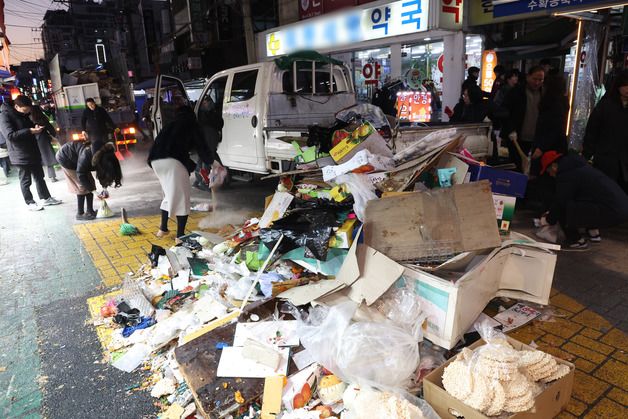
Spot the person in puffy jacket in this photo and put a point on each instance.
(170, 160)
(585, 200)
(44, 141)
(78, 163)
(20, 135)
(96, 124)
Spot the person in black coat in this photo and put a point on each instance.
(4, 157)
(585, 198)
(522, 103)
(468, 111)
(20, 134)
(96, 124)
(170, 160)
(606, 135)
(44, 141)
(551, 125)
(78, 163)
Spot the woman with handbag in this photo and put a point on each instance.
(170, 160)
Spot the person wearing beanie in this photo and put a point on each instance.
(585, 199)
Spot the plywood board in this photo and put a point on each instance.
(406, 227)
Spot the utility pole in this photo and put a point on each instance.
(249, 36)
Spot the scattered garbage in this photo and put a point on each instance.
(333, 302)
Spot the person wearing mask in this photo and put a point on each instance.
(96, 124)
(585, 199)
(522, 103)
(469, 109)
(20, 134)
(78, 163)
(44, 141)
(606, 136)
(170, 160)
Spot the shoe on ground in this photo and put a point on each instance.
(54, 179)
(87, 216)
(52, 201)
(34, 206)
(92, 214)
(161, 233)
(594, 235)
(581, 244)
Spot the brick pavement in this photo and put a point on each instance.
(576, 333)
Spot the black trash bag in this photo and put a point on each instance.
(322, 204)
(311, 229)
(155, 252)
(127, 316)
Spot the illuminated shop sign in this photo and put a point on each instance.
(355, 25)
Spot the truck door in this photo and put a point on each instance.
(209, 111)
(241, 125)
(169, 95)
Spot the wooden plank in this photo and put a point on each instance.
(198, 363)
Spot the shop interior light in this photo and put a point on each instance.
(591, 9)
(574, 76)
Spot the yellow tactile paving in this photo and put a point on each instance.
(596, 348)
(576, 334)
(115, 255)
(94, 304)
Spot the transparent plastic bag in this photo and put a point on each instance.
(401, 305)
(364, 402)
(362, 190)
(217, 175)
(134, 297)
(381, 355)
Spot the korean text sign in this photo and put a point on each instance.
(351, 26)
(534, 6)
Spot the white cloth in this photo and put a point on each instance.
(175, 184)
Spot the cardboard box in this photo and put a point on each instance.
(503, 182)
(504, 211)
(548, 404)
(454, 296)
(348, 147)
(411, 226)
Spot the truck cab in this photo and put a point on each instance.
(264, 107)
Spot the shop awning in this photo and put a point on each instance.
(555, 36)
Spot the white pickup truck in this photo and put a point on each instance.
(264, 106)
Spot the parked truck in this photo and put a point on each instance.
(265, 107)
(70, 92)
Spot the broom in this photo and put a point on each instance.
(127, 229)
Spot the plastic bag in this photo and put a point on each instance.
(362, 190)
(401, 305)
(217, 175)
(379, 355)
(364, 402)
(366, 112)
(553, 234)
(311, 229)
(104, 211)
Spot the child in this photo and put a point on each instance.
(77, 163)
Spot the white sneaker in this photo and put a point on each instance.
(51, 201)
(33, 206)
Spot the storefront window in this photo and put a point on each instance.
(473, 47)
(422, 70)
(371, 68)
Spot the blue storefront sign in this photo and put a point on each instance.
(519, 7)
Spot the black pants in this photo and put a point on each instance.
(26, 173)
(6, 166)
(97, 140)
(588, 215)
